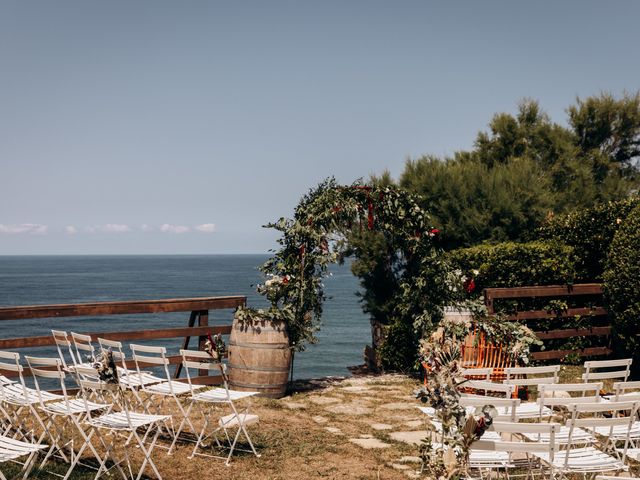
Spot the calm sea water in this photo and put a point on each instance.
(31, 280)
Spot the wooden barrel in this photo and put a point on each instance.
(259, 358)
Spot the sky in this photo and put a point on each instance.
(171, 127)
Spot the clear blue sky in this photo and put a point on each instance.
(182, 127)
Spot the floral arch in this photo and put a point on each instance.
(392, 241)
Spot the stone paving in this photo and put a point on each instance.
(373, 413)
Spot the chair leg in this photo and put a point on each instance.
(147, 455)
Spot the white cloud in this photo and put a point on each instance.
(30, 228)
(206, 227)
(109, 228)
(146, 228)
(168, 228)
(71, 230)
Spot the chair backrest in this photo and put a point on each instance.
(92, 387)
(199, 360)
(116, 350)
(151, 355)
(559, 395)
(61, 339)
(53, 371)
(622, 369)
(622, 389)
(547, 429)
(477, 373)
(506, 406)
(10, 361)
(508, 391)
(515, 375)
(83, 346)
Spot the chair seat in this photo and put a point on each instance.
(172, 388)
(632, 453)
(619, 432)
(135, 380)
(582, 460)
(487, 459)
(11, 449)
(231, 420)
(532, 410)
(219, 395)
(580, 436)
(15, 394)
(119, 421)
(5, 381)
(73, 407)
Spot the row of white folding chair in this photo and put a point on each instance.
(61, 413)
(119, 425)
(576, 457)
(166, 389)
(153, 386)
(17, 437)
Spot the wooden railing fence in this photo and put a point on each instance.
(589, 294)
(197, 325)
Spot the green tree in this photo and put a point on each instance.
(607, 131)
(472, 202)
(526, 167)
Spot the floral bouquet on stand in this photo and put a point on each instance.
(217, 349)
(105, 365)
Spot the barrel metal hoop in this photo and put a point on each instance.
(260, 369)
(270, 346)
(258, 385)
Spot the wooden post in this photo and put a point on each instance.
(203, 321)
(185, 344)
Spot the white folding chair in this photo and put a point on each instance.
(207, 400)
(121, 425)
(129, 379)
(626, 390)
(531, 376)
(12, 449)
(505, 391)
(587, 460)
(629, 433)
(521, 377)
(168, 389)
(507, 407)
(17, 397)
(622, 366)
(70, 411)
(75, 358)
(498, 453)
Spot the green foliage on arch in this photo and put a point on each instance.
(334, 221)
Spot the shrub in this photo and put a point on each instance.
(512, 264)
(622, 287)
(590, 232)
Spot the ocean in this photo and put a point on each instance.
(33, 280)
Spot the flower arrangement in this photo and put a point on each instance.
(105, 365)
(215, 347)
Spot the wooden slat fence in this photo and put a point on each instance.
(588, 293)
(197, 325)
